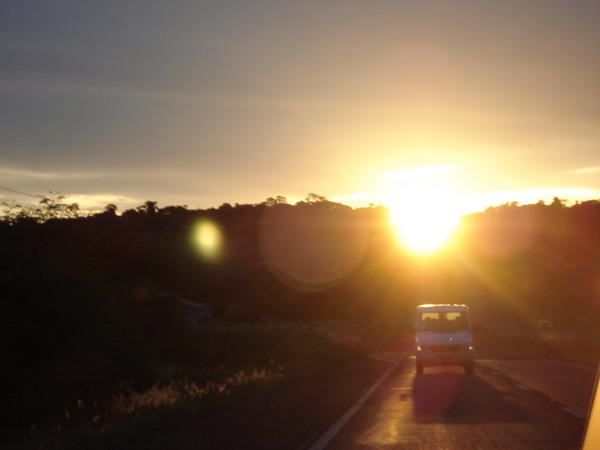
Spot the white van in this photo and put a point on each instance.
(444, 336)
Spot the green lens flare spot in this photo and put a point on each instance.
(208, 239)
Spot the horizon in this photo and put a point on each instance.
(70, 199)
(424, 226)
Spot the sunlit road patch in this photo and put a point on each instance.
(446, 408)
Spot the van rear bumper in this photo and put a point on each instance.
(439, 355)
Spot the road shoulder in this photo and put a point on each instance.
(292, 416)
(568, 384)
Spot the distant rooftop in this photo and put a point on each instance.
(443, 307)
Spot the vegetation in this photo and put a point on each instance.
(93, 330)
(582, 348)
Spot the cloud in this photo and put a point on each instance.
(211, 100)
(86, 202)
(96, 202)
(586, 170)
(12, 172)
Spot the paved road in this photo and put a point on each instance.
(510, 402)
(568, 384)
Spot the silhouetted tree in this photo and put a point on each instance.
(149, 207)
(558, 203)
(110, 210)
(314, 198)
(272, 201)
(174, 210)
(49, 207)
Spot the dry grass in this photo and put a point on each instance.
(82, 422)
(214, 364)
(185, 392)
(222, 362)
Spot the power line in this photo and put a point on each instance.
(20, 192)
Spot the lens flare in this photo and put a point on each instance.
(208, 239)
(311, 249)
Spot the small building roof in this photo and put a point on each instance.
(442, 307)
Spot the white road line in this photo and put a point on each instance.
(522, 386)
(337, 426)
(573, 412)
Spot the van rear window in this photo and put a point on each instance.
(443, 321)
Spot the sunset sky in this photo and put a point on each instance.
(201, 103)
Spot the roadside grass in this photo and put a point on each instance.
(210, 366)
(104, 424)
(582, 348)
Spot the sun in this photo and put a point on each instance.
(424, 218)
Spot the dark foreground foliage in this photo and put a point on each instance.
(90, 306)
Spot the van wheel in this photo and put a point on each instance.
(469, 367)
(419, 368)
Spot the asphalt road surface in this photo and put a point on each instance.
(511, 402)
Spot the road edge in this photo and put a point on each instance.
(324, 439)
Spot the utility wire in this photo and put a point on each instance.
(20, 192)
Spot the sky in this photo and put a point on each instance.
(201, 103)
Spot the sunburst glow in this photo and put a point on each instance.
(424, 217)
(422, 231)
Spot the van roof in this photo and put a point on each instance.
(443, 307)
